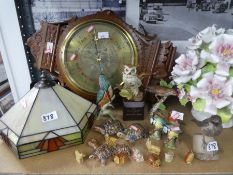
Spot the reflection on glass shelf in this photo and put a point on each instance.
(6, 102)
(6, 98)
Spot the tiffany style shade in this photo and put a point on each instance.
(47, 118)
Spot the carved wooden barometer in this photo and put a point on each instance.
(77, 50)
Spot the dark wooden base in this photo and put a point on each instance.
(133, 110)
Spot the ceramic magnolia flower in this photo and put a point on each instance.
(205, 37)
(207, 34)
(220, 51)
(215, 90)
(186, 68)
(195, 43)
(204, 75)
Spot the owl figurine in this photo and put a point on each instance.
(131, 80)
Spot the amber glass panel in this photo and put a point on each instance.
(52, 145)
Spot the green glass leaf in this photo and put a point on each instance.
(205, 46)
(187, 87)
(199, 104)
(162, 107)
(183, 101)
(209, 68)
(225, 114)
(180, 86)
(231, 72)
(163, 83)
(126, 94)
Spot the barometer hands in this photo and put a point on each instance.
(98, 59)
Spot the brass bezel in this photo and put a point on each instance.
(69, 80)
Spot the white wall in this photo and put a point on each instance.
(132, 12)
(11, 47)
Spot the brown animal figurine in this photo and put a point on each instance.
(154, 160)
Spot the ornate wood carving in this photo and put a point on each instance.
(154, 57)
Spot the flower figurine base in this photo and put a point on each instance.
(200, 143)
(133, 110)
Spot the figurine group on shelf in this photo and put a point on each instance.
(113, 130)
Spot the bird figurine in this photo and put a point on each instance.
(161, 91)
(210, 127)
(158, 122)
(105, 93)
(104, 96)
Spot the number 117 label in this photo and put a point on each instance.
(49, 116)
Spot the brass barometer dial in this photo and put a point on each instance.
(80, 53)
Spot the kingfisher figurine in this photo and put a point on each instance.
(105, 97)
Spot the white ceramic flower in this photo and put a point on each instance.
(186, 68)
(194, 43)
(220, 52)
(215, 90)
(207, 34)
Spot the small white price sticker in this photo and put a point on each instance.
(103, 35)
(177, 115)
(49, 48)
(212, 146)
(176, 128)
(49, 116)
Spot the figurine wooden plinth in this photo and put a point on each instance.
(133, 110)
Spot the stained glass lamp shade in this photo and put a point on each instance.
(47, 119)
